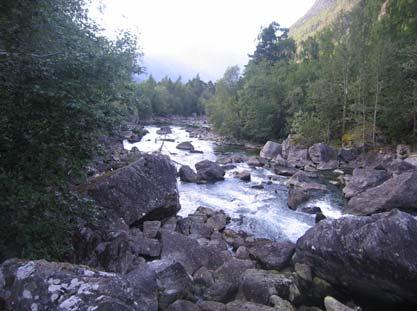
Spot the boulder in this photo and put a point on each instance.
(259, 285)
(397, 167)
(298, 158)
(173, 282)
(211, 306)
(331, 304)
(363, 179)
(230, 159)
(187, 174)
(143, 190)
(297, 196)
(347, 155)
(255, 162)
(328, 166)
(209, 171)
(270, 150)
(186, 145)
(244, 176)
(303, 181)
(151, 228)
(397, 192)
(412, 160)
(43, 285)
(226, 280)
(272, 255)
(403, 151)
(320, 152)
(281, 304)
(372, 257)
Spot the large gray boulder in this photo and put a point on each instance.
(209, 171)
(296, 155)
(363, 179)
(320, 152)
(272, 255)
(41, 285)
(372, 257)
(397, 192)
(270, 150)
(143, 190)
(186, 145)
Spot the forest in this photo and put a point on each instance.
(353, 83)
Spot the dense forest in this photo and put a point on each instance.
(354, 82)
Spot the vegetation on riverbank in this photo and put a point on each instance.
(354, 82)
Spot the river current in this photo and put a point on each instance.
(261, 212)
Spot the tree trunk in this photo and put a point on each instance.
(375, 110)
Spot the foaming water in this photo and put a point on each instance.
(261, 212)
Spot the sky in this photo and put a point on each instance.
(189, 37)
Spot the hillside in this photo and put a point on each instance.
(321, 14)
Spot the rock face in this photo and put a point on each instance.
(186, 145)
(42, 285)
(372, 257)
(321, 153)
(187, 174)
(144, 190)
(397, 192)
(363, 179)
(209, 171)
(270, 150)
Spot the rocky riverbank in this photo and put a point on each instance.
(142, 255)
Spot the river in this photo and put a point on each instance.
(261, 212)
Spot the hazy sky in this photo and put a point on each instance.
(186, 37)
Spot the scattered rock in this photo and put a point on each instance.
(320, 152)
(244, 176)
(270, 150)
(272, 255)
(187, 174)
(209, 171)
(186, 145)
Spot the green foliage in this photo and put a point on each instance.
(62, 85)
(356, 77)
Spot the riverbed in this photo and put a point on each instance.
(261, 212)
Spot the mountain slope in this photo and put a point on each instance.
(321, 14)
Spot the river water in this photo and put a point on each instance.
(261, 212)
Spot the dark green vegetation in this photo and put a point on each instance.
(168, 97)
(62, 85)
(354, 82)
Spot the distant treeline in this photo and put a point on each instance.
(355, 82)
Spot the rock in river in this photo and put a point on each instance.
(143, 190)
(187, 174)
(209, 171)
(186, 145)
(270, 150)
(372, 257)
(363, 179)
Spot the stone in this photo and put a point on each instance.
(270, 150)
(187, 174)
(183, 305)
(186, 145)
(363, 179)
(272, 255)
(63, 286)
(403, 152)
(164, 130)
(397, 192)
(218, 221)
(371, 257)
(212, 306)
(209, 171)
(310, 209)
(255, 162)
(242, 253)
(303, 271)
(247, 306)
(281, 304)
(397, 167)
(259, 285)
(303, 181)
(331, 304)
(347, 155)
(151, 228)
(328, 166)
(143, 190)
(244, 176)
(297, 196)
(320, 152)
